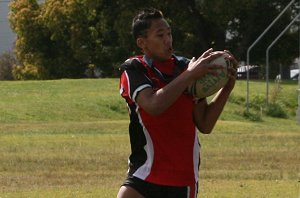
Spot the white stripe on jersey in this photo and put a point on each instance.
(140, 88)
(196, 156)
(143, 171)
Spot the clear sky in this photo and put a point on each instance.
(7, 37)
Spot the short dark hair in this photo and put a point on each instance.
(143, 20)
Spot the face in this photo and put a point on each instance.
(157, 44)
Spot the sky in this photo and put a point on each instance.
(7, 37)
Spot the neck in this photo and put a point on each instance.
(152, 59)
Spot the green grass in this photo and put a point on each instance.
(63, 100)
(69, 138)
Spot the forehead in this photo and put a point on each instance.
(158, 25)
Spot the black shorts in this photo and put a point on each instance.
(150, 190)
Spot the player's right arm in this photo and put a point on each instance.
(156, 102)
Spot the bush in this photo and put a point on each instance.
(7, 61)
(236, 99)
(276, 110)
(257, 117)
(26, 72)
(258, 102)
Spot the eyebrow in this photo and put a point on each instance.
(163, 29)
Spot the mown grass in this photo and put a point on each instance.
(63, 100)
(68, 138)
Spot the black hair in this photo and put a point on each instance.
(143, 21)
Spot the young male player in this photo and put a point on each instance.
(165, 159)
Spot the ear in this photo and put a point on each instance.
(140, 42)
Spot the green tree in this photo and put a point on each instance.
(248, 20)
(23, 19)
(65, 38)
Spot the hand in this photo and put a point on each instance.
(201, 66)
(232, 59)
(232, 72)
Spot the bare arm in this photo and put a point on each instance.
(206, 115)
(156, 102)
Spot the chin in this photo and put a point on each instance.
(168, 56)
(162, 57)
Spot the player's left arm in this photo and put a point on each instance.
(206, 114)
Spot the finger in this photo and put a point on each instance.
(212, 56)
(232, 59)
(232, 73)
(228, 52)
(206, 53)
(193, 59)
(232, 70)
(234, 62)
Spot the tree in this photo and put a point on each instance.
(249, 20)
(65, 38)
(23, 20)
(7, 62)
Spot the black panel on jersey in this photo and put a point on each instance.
(138, 141)
(136, 75)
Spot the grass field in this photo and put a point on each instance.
(68, 138)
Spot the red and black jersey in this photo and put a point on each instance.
(164, 148)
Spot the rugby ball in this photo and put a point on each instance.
(210, 84)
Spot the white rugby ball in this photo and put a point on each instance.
(210, 84)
